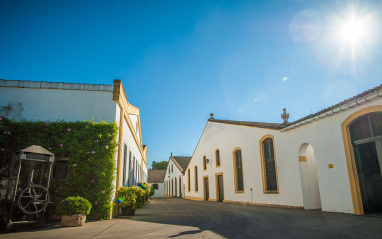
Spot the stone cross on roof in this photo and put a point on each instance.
(285, 116)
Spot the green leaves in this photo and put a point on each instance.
(74, 205)
(85, 147)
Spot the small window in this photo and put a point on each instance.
(172, 168)
(217, 156)
(155, 186)
(204, 163)
(196, 178)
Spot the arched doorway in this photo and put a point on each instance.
(309, 178)
(363, 147)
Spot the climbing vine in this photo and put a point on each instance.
(88, 146)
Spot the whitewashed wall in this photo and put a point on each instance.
(226, 138)
(325, 138)
(171, 175)
(57, 104)
(134, 173)
(160, 191)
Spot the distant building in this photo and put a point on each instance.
(156, 178)
(330, 160)
(174, 178)
(51, 101)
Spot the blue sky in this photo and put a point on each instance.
(181, 60)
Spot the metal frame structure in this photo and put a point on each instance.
(35, 197)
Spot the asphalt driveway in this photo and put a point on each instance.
(173, 217)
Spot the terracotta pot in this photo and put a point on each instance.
(127, 211)
(73, 220)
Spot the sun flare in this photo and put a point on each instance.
(353, 31)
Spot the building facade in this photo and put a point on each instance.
(174, 177)
(331, 160)
(50, 101)
(156, 179)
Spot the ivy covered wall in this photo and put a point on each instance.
(89, 147)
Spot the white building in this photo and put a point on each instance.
(330, 160)
(50, 101)
(174, 177)
(156, 179)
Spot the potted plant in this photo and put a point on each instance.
(73, 211)
(129, 199)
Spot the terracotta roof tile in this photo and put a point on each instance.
(181, 162)
(250, 124)
(156, 176)
(342, 103)
(281, 126)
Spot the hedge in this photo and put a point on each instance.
(90, 148)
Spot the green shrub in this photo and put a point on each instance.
(152, 191)
(74, 205)
(131, 197)
(141, 197)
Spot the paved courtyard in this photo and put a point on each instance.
(178, 218)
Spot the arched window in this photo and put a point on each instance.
(196, 178)
(204, 163)
(268, 164)
(238, 171)
(217, 158)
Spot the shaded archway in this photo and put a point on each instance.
(309, 178)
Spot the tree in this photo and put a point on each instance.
(159, 165)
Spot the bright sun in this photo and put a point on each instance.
(353, 31)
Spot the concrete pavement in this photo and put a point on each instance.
(173, 217)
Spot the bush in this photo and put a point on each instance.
(74, 205)
(152, 191)
(131, 197)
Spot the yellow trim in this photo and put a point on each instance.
(204, 187)
(196, 178)
(120, 96)
(204, 163)
(263, 166)
(220, 161)
(349, 154)
(302, 158)
(330, 165)
(189, 180)
(217, 185)
(194, 198)
(265, 204)
(120, 149)
(212, 200)
(234, 168)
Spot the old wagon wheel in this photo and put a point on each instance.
(34, 199)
